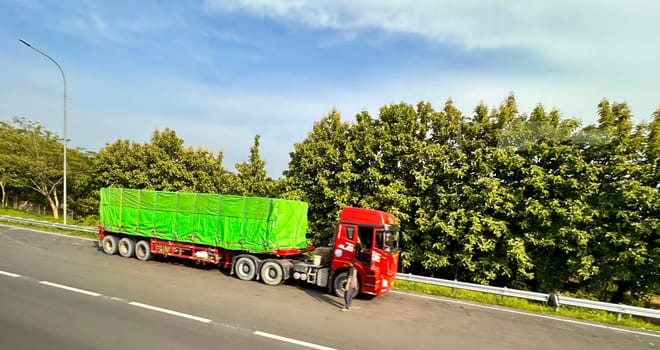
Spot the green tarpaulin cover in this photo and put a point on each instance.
(254, 224)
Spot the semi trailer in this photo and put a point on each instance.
(254, 238)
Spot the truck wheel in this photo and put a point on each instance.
(109, 244)
(339, 284)
(126, 247)
(143, 251)
(272, 273)
(245, 268)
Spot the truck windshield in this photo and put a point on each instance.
(387, 240)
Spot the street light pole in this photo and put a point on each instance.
(65, 140)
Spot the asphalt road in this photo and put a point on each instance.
(63, 293)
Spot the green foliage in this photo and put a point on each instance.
(9, 170)
(32, 161)
(163, 164)
(252, 179)
(313, 175)
(528, 201)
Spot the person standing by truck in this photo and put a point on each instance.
(351, 285)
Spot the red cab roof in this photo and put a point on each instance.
(366, 216)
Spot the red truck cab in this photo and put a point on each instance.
(371, 237)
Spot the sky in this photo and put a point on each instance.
(219, 72)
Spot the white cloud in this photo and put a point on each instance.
(102, 22)
(588, 32)
(596, 48)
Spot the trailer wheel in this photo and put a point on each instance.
(126, 247)
(272, 273)
(245, 268)
(143, 250)
(109, 244)
(339, 284)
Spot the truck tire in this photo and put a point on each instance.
(126, 247)
(245, 268)
(109, 244)
(272, 273)
(143, 250)
(339, 284)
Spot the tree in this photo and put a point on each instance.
(82, 199)
(120, 164)
(9, 172)
(479, 177)
(534, 201)
(162, 164)
(36, 157)
(627, 222)
(252, 179)
(311, 175)
(652, 150)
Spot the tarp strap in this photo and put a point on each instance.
(176, 212)
(155, 231)
(121, 208)
(193, 217)
(139, 205)
(267, 236)
(243, 221)
(217, 229)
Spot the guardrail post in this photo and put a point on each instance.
(553, 300)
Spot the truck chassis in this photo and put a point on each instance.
(272, 269)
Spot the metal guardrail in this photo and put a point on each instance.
(504, 291)
(47, 224)
(619, 309)
(616, 308)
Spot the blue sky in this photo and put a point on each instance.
(218, 72)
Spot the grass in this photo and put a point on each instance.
(516, 303)
(522, 304)
(34, 216)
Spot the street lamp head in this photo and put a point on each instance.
(25, 42)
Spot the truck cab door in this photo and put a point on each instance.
(345, 245)
(365, 257)
(364, 246)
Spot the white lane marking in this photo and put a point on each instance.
(18, 228)
(530, 314)
(94, 294)
(171, 312)
(9, 274)
(61, 286)
(292, 341)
